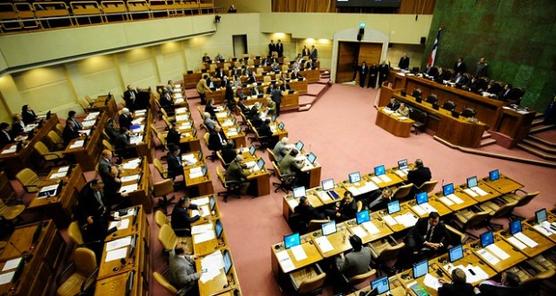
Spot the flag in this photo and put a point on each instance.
(432, 56)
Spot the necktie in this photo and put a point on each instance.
(429, 234)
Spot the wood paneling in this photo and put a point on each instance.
(370, 53)
(347, 54)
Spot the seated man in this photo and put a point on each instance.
(264, 130)
(419, 175)
(393, 105)
(509, 285)
(216, 139)
(182, 275)
(355, 262)
(234, 173)
(125, 119)
(289, 164)
(280, 149)
(166, 101)
(69, 133)
(181, 220)
(403, 110)
(383, 198)
(5, 136)
(175, 167)
(173, 137)
(428, 235)
(229, 152)
(307, 212)
(209, 108)
(458, 286)
(347, 208)
(209, 122)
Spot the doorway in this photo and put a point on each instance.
(351, 55)
(240, 45)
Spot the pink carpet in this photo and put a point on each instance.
(549, 135)
(340, 129)
(314, 89)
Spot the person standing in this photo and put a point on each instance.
(482, 68)
(383, 70)
(280, 48)
(363, 71)
(271, 48)
(373, 74)
(459, 66)
(203, 88)
(314, 54)
(404, 62)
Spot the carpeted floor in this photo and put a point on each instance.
(340, 130)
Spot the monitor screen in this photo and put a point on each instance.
(455, 253)
(218, 229)
(311, 157)
(382, 285)
(292, 240)
(379, 170)
(281, 125)
(362, 217)
(494, 175)
(327, 184)
(420, 269)
(299, 191)
(299, 145)
(515, 226)
(422, 198)
(212, 203)
(252, 150)
(328, 228)
(227, 262)
(540, 216)
(448, 189)
(472, 182)
(402, 164)
(354, 177)
(487, 238)
(260, 163)
(393, 207)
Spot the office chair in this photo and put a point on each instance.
(402, 192)
(308, 281)
(449, 105)
(315, 224)
(385, 253)
(428, 186)
(161, 279)
(232, 187)
(83, 274)
(160, 168)
(56, 142)
(467, 219)
(160, 218)
(162, 189)
(522, 200)
(169, 240)
(420, 119)
(360, 281)
(30, 180)
(49, 157)
(468, 112)
(212, 156)
(10, 212)
(534, 284)
(498, 209)
(286, 181)
(456, 237)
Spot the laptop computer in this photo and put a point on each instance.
(328, 228)
(540, 216)
(327, 186)
(515, 227)
(362, 217)
(403, 165)
(281, 125)
(455, 253)
(299, 145)
(379, 170)
(311, 157)
(420, 269)
(260, 163)
(494, 175)
(422, 198)
(218, 229)
(472, 182)
(292, 240)
(487, 238)
(382, 285)
(393, 207)
(448, 189)
(227, 262)
(354, 177)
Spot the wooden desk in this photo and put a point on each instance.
(190, 80)
(393, 124)
(551, 218)
(467, 201)
(513, 125)
(59, 207)
(209, 246)
(408, 281)
(515, 255)
(383, 229)
(217, 95)
(543, 243)
(104, 103)
(405, 209)
(48, 253)
(144, 147)
(289, 102)
(199, 185)
(440, 208)
(128, 283)
(312, 76)
(503, 185)
(141, 196)
(338, 240)
(299, 86)
(260, 179)
(87, 155)
(289, 203)
(394, 180)
(396, 287)
(314, 173)
(469, 258)
(16, 161)
(222, 283)
(491, 193)
(309, 248)
(203, 202)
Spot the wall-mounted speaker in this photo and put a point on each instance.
(423, 40)
(360, 34)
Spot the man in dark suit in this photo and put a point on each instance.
(305, 52)
(306, 212)
(265, 131)
(429, 235)
(109, 175)
(459, 66)
(363, 70)
(383, 70)
(216, 139)
(404, 62)
(314, 53)
(482, 68)
(373, 74)
(393, 105)
(229, 152)
(173, 137)
(181, 220)
(124, 119)
(175, 167)
(280, 48)
(458, 286)
(271, 48)
(69, 133)
(28, 115)
(92, 214)
(121, 140)
(276, 96)
(18, 127)
(419, 175)
(5, 137)
(130, 95)
(509, 286)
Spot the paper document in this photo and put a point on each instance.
(376, 179)
(470, 192)
(432, 282)
(389, 220)
(11, 264)
(211, 266)
(516, 243)
(419, 210)
(385, 178)
(488, 256)
(116, 254)
(358, 230)
(181, 110)
(525, 239)
(480, 191)
(428, 208)
(231, 133)
(58, 175)
(77, 144)
(298, 253)
(11, 149)
(370, 227)
(136, 140)
(400, 173)
(455, 198)
(130, 165)
(406, 220)
(129, 188)
(122, 224)
(285, 261)
(196, 172)
(544, 228)
(189, 158)
(182, 117)
(202, 228)
(324, 196)
(203, 237)
(324, 244)
(138, 120)
(119, 243)
(6, 277)
(130, 178)
(63, 169)
(200, 201)
(498, 252)
(446, 201)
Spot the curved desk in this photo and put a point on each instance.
(399, 127)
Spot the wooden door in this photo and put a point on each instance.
(370, 53)
(347, 55)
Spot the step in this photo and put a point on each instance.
(486, 135)
(541, 140)
(537, 115)
(486, 142)
(539, 145)
(537, 121)
(541, 128)
(536, 151)
(303, 108)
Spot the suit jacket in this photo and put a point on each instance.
(456, 290)
(229, 153)
(173, 137)
(28, 116)
(363, 70)
(419, 232)
(314, 54)
(121, 140)
(308, 213)
(383, 69)
(354, 263)
(5, 138)
(271, 48)
(280, 49)
(305, 52)
(482, 70)
(124, 120)
(182, 272)
(210, 123)
(89, 205)
(348, 210)
(175, 167)
(492, 290)
(130, 97)
(210, 109)
(265, 130)
(234, 172)
(287, 165)
(111, 185)
(460, 68)
(215, 141)
(419, 176)
(17, 129)
(404, 63)
(69, 133)
(181, 221)
(393, 106)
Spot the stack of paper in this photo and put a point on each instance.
(182, 117)
(88, 124)
(189, 158)
(525, 239)
(455, 198)
(385, 178)
(406, 220)
(140, 112)
(200, 201)
(516, 243)
(85, 132)
(432, 282)
(6, 277)
(58, 175)
(196, 172)
(211, 265)
(285, 261)
(116, 254)
(136, 139)
(488, 256)
(494, 249)
(370, 227)
(324, 196)
(545, 229)
(77, 144)
(118, 243)
(122, 224)
(358, 230)
(51, 190)
(126, 179)
(132, 164)
(129, 188)
(423, 209)
(376, 179)
(227, 123)
(11, 264)
(11, 149)
(181, 110)
(231, 133)
(400, 173)
(446, 201)
(221, 114)
(389, 220)
(91, 116)
(324, 244)
(298, 253)
(480, 191)
(470, 192)
(138, 120)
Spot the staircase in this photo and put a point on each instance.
(486, 140)
(311, 99)
(536, 145)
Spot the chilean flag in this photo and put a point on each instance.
(432, 56)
